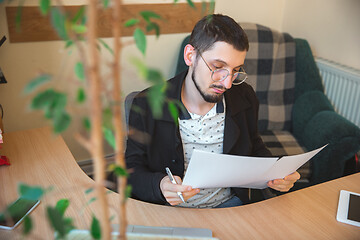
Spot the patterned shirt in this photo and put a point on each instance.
(204, 133)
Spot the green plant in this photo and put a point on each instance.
(78, 31)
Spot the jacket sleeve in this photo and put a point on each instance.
(144, 181)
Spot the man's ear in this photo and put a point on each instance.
(189, 54)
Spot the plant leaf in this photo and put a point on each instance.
(191, 4)
(109, 136)
(36, 82)
(112, 217)
(79, 70)
(79, 28)
(156, 99)
(106, 46)
(212, 6)
(108, 118)
(153, 26)
(87, 123)
(56, 220)
(59, 104)
(118, 170)
(79, 15)
(69, 43)
(62, 205)
(154, 76)
(68, 222)
(105, 3)
(18, 16)
(128, 190)
(27, 225)
(43, 99)
(173, 111)
(53, 104)
(93, 199)
(131, 22)
(147, 15)
(58, 21)
(89, 190)
(140, 40)
(44, 6)
(61, 122)
(95, 228)
(203, 8)
(81, 95)
(30, 192)
(141, 67)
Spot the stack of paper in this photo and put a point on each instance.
(211, 170)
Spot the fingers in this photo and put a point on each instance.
(169, 186)
(169, 190)
(174, 199)
(292, 177)
(190, 194)
(285, 184)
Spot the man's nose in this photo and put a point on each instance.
(227, 82)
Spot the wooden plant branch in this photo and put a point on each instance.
(117, 116)
(96, 135)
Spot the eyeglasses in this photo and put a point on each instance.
(219, 75)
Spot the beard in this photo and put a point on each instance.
(211, 98)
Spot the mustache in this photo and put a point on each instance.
(218, 87)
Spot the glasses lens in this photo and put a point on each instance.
(219, 74)
(240, 77)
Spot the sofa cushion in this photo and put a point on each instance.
(270, 64)
(283, 143)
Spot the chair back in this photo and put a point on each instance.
(270, 65)
(127, 106)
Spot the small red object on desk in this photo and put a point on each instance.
(4, 160)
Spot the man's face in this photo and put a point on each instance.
(221, 56)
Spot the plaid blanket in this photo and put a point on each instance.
(283, 143)
(270, 64)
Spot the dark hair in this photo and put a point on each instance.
(217, 27)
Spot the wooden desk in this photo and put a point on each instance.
(38, 157)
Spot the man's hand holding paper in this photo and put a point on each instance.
(284, 185)
(207, 170)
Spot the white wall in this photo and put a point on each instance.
(264, 12)
(332, 27)
(307, 19)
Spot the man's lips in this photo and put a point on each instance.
(218, 90)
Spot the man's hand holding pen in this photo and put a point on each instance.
(170, 190)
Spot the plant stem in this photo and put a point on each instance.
(119, 131)
(97, 151)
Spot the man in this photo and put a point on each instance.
(220, 115)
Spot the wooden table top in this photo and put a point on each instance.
(38, 157)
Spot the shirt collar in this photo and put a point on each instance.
(185, 115)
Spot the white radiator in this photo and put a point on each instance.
(342, 86)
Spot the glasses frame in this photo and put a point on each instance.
(221, 69)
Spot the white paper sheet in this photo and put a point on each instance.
(210, 170)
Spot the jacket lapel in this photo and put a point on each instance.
(173, 93)
(235, 106)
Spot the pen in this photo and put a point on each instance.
(172, 179)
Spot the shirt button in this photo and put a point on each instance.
(174, 161)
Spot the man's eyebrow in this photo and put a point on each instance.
(225, 63)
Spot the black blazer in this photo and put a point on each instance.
(154, 144)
